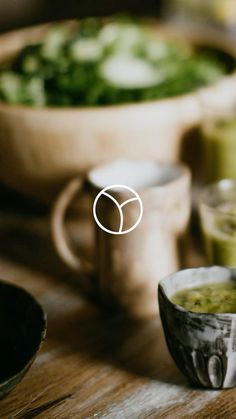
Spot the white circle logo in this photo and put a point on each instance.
(134, 197)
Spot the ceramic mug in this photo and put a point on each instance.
(128, 266)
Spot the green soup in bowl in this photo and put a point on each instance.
(199, 322)
(210, 298)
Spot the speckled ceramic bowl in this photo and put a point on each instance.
(203, 345)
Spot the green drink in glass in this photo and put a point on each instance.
(218, 218)
(218, 130)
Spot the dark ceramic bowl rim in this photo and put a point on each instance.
(42, 331)
(160, 289)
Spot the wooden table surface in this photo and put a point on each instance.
(92, 364)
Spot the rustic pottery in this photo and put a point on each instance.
(203, 345)
(23, 328)
(129, 265)
(42, 148)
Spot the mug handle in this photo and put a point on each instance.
(59, 235)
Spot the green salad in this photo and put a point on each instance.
(101, 63)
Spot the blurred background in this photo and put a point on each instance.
(212, 14)
(19, 13)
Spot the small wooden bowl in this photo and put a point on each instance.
(201, 344)
(23, 328)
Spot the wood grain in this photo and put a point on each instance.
(92, 364)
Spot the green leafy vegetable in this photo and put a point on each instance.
(119, 61)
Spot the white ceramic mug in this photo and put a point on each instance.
(128, 266)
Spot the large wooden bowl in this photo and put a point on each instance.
(41, 148)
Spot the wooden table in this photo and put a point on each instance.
(92, 365)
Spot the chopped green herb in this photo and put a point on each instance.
(120, 61)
